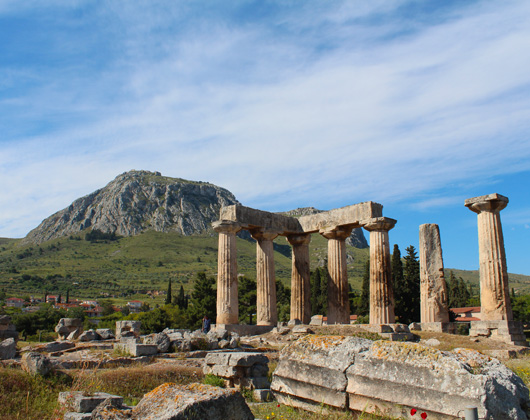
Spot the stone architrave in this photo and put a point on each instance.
(267, 312)
(433, 289)
(494, 289)
(300, 281)
(338, 291)
(381, 291)
(227, 301)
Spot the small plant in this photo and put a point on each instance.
(120, 351)
(213, 380)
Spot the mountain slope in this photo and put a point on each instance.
(137, 201)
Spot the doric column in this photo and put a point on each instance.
(338, 291)
(300, 282)
(381, 293)
(227, 303)
(494, 289)
(267, 312)
(433, 289)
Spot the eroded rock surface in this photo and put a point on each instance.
(394, 377)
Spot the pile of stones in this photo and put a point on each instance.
(241, 370)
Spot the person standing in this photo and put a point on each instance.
(206, 324)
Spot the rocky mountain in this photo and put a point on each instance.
(356, 239)
(136, 201)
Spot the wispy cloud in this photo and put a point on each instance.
(321, 104)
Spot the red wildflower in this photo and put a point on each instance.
(423, 416)
(413, 411)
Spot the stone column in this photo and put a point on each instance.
(227, 303)
(381, 292)
(300, 282)
(433, 289)
(338, 290)
(494, 289)
(267, 312)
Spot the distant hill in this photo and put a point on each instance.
(135, 202)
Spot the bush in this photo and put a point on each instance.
(214, 381)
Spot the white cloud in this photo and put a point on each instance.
(316, 106)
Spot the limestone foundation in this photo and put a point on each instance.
(227, 302)
(381, 292)
(267, 312)
(433, 289)
(338, 290)
(494, 291)
(300, 282)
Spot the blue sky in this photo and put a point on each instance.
(416, 105)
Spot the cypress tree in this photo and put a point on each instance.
(203, 300)
(168, 295)
(398, 283)
(364, 308)
(410, 311)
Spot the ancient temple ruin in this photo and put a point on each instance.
(336, 226)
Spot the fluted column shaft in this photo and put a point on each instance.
(494, 289)
(433, 288)
(338, 290)
(227, 300)
(267, 311)
(381, 291)
(300, 281)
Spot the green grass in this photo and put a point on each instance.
(24, 397)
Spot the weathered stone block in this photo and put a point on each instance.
(8, 349)
(36, 364)
(395, 377)
(161, 340)
(173, 402)
(247, 359)
(263, 395)
(81, 403)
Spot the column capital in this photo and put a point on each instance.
(299, 239)
(492, 203)
(379, 224)
(260, 234)
(336, 232)
(226, 226)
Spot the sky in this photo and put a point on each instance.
(415, 105)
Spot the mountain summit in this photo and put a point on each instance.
(136, 201)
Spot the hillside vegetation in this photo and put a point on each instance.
(130, 266)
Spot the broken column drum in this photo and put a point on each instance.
(433, 288)
(338, 290)
(494, 289)
(227, 300)
(300, 278)
(266, 310)
(381, 291)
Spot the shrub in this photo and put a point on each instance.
(213, 380)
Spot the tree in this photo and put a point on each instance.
(457, 291)
(168, 295)
(398, 281)
(409, 293)
(108, 308)
(283, 301)
(181, 300)
(246, 292)
(319, 291)
(364, 308)
(203, 300)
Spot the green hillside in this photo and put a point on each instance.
(129, 267)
